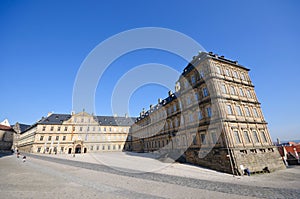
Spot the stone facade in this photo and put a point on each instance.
(75, 133)
(6, 137)
(213, 119)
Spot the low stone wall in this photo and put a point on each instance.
(218, 159)
(257, 159)
(215, 159)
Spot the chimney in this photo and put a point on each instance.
(159, 100)
(126, 115)
(170, 92)
(151, 106)
(49, 113)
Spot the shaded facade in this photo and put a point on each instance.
(213, 119)
(6, 137)
(75, 133)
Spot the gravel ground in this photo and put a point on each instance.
(115, 176)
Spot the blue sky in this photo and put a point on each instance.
(43, 43)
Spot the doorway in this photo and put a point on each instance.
(78, 149)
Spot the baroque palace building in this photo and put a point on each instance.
(74, 133)
(213, 119)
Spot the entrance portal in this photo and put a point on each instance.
(70, 151)
(78, 149)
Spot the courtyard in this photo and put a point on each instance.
(131, 175)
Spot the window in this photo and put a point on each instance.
(66, 128)
(235, 74)
(174, 107)
(214, 137)
(209, 113)
(255, 112)
(263, 136)
(49, 138)
(202, 74)
(188, 100)
(103, 147)
(203, 138)
(238, 110)
(194, 139)
(243, 76)
(249, 94)
(108, 147)
(247, 111)
(94, 128)
(229, 109)
(241, 92)
(232, 90)
(80, 129)
(38, 149)
(227, 72)
(246, 137)
(58, 128)
(196, 97)
(57, 138)
(205, 92)
(255, 137)
(82, 120)
(42, 138)
(237, 137)
(104, 129)
(223, 87)
(92, 148)
(44, 128)
(88, 128)
(109, 128)
(191, 118)
(193, 79)
(186, 84)
(73, 128)
(51, 129)
(218, 70)
(64, 138)
(200, 115)
(62, 149)
(86, 137)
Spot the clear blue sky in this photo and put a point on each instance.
(43, 43)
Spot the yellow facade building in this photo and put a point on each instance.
(75, 133)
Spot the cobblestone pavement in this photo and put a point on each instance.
(61, 178)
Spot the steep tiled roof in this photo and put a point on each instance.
(115, 121)
(23, 127)
(3, 127)
(55, 119)
(103, 120)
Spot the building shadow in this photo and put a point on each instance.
(5, 153)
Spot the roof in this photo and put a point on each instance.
(103, 120)
(55, 119)
(156, 107)
(211, 55)
(23, 127)
(115, 121)
(6, 128)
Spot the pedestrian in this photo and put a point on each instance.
(18, 154)
(247, 171)
(24, 158)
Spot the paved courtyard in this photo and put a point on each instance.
(130, 175)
